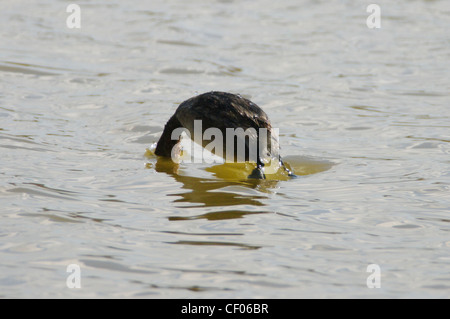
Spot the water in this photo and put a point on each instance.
(363, 117)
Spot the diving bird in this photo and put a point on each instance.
(225, 112)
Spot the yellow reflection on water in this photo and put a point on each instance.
(219, 186)
(227, 184)
(299, 165)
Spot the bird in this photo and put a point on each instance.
(224, 112)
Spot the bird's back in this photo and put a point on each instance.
(222, 110)
(225, 110)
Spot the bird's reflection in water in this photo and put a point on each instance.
(226, 185)
(214, 191)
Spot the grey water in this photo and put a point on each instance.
(363, 115)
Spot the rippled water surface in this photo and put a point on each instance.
(364, 121)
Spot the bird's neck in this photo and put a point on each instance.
(166, 143)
